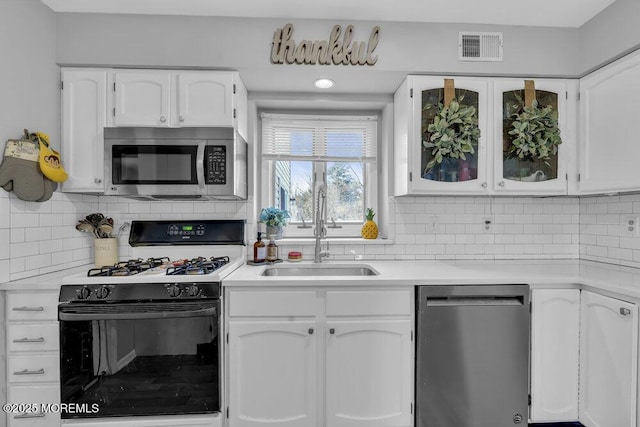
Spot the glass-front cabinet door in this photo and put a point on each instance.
(448, 153)
(530, 145)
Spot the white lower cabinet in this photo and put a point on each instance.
(368, 377)
(33, 359)
(273, 371)
(608, 361)
(314, 365)
(555, 332)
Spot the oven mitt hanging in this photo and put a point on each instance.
(19, 170)
(50, 161)
(49, 188)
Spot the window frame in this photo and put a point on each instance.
(296, 228)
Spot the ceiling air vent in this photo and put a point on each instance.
(480, 47)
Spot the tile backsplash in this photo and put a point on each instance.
(37, 238)
(606, 234)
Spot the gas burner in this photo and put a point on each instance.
(197, 266)
(128, 268)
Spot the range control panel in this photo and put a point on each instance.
(185, 232)
(215, 164)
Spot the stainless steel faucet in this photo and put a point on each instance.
(320, 231)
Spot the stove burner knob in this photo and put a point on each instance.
(194, 291)
(83, 293)
(174, 291)
(103, 292)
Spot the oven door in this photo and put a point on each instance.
(142, 358)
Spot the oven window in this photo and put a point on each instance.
(140, 367)
(149, 164)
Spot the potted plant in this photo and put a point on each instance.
(453, 134)
(534, 137)
(275, 219)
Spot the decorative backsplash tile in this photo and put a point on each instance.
(40, 237)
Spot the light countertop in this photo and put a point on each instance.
(611, 280)
(616, 281)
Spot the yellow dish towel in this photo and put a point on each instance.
(50, 163)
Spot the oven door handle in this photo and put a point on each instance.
(121, 315)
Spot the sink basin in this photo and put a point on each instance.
(320, 270)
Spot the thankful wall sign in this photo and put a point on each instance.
(339, 49)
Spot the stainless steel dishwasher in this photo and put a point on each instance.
(472, 357)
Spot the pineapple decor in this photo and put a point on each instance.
(369, 228)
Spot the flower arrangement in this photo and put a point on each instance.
(534, 134)
(453, 133)
(274, 217)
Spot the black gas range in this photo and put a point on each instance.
(142, 337)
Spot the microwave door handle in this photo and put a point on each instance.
(200, 166)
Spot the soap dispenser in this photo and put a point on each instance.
(259, 250)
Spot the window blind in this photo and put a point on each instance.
(319, 138)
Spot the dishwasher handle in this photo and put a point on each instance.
(475, 301)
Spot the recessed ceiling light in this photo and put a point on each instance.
(323, 83)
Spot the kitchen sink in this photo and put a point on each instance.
(320, 270)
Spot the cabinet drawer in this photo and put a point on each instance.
(32, 305)
(272, 303)
(32, 337)
(369, 303)
(36, 368)
(33, 394)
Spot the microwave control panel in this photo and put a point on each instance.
(215, 165)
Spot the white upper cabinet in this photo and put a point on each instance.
(609, 128)
(487, 164)
(204, 99)
(515, 171)
(141, 98)
(608, 361)
(84, 116)
(417, 169)
(160, 98)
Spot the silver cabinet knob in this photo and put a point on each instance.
(97, 181)
(163, 119)
(485, 185)
(310, 331)
(501, 184)
(181, 118)
(625, 311)
(332, 331)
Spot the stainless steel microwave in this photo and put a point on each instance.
(175, 163)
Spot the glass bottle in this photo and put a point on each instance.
(259, 249)
(272, 249)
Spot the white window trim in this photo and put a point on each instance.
(370, 174)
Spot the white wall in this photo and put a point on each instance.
(610, 34)
(34, 237)
(244, 44)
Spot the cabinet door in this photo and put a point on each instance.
(83, 120)
(529, 175)
(452, 175)
(272, 373)
(369, 371)
(204, 99)
(141, 98)
(36, 415)
(555, 323)
(608, 362)
(609, 128)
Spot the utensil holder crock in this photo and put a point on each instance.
(106, 251)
